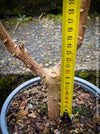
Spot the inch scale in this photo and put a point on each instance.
(71, 13)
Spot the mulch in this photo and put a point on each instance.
(28, 113)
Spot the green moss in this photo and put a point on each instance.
(55, 18)
(88, 75)
(9, 83)
(84, 75)
(76, 74)
(94, 15)
(12, 22)
(90, 46)
(82, 110)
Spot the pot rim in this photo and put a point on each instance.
(77, 81)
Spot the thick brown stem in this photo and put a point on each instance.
(85, 5)
(53, 101)
(20, 53)
(52, 80)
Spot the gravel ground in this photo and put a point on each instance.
(43, 41)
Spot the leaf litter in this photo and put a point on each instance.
(28, 113)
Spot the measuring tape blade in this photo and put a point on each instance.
(71, 13)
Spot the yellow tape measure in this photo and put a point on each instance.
(71, 13)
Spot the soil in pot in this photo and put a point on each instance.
(28, 114)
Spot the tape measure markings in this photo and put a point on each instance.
(71, 10)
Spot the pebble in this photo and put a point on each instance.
(57, 131)
(43, 42)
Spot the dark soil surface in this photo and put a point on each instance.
(28, 114)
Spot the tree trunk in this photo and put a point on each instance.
(52, 80)
(51, 77)
(53, 101)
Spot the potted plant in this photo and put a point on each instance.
(85, 85)
(52, 76)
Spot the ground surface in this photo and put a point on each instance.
(43, 41)
(28, 114)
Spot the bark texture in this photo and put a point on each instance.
(51, 77)
(85, 5)
(53, 101)
(52, 80)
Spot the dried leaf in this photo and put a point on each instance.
(16, 128)
(80, 102)
(32, 115)
(46, 130)
(53, 123)
(23, 103)
(57, 131)
(75, 104)
(20, 122)
(91, 126)
(22, 113)
(77, 114)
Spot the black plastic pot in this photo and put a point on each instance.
(87, 86)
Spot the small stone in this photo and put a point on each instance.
(32, 115)
(57, 131)
(37, 102)
(50, 62)
(29, 106)
(15, 133)
(60, 121)
(14, 40)
(38, 111)
(43, 89)
(51, 129)
(45, 118)
(89, 130)
(9, 59)
(37, 124)
(46, 64)
(2, 61)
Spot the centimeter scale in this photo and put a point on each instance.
(71, 13)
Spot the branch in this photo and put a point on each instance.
(39, 18)
(20, 53)
(85, 5)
